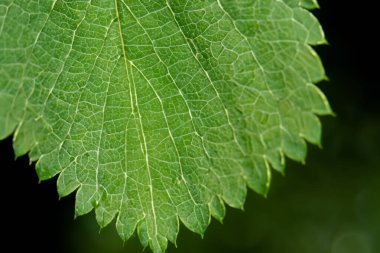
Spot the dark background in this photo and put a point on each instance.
(329, 205)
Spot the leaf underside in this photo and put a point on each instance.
(157, 112)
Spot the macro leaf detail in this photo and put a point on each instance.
(160, 112)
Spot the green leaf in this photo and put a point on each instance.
(159, 112)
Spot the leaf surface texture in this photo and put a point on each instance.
(160, 112)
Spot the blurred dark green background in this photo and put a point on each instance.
(329, 205)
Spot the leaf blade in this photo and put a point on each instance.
(159, 112)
